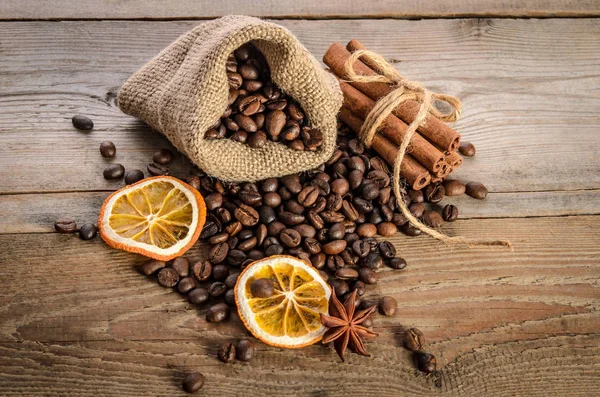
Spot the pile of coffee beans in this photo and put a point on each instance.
(258, 110)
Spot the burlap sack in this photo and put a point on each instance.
(183, 91)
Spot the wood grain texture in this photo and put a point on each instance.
(507, 72)
(499, 321)
(187, 9)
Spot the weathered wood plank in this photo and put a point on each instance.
(496, 320)
(36, 213)
(49, 71)
(156, 9)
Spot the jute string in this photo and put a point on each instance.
(402, 91)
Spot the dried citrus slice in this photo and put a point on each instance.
(159, 217)
(290, 317)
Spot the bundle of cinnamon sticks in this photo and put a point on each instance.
(431, 154)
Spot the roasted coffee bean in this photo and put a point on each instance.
(335, 262)
(245, 350)
(218, 313)
(162, 156)
(433, 219)
(240, 136)
(218, 253)
(213, 201)
(233, 228)
(202, 270)
(185, 285)
(262, 288)
(65, 225)
(278, 104)
(386, 249)
(295, 112)
(416, 196)
(219, 238)
(261, 234)
(366, 230)
(370, 191)
(290, 238)
(416, 209)
(349, 211)
(274, 122)
(246, 123)
(379, 164)
(294, 207)
(272, 199)
(270, 185)
(290, 219)
(210, 228)
(226, 352)
(152, 266)
(134, 176)
(361, 248)
(466, 149)
(198, 296)
(356, 163)
(454, 187)
(399, 220)
(340, 186)
(257, 140)
(291, 131)
(114, 171)
(340, 287)
(373, 261)
(386, 229)
(192, 180)
(380, 178)
(336, 231)
(168, 277)
(368, 322)
(425, 362)
(157, 169)
(306, 231)
(252, 85)
(367, 275)
(450, 213)
(384, 196)
(410, 230)
(387, 214)
(182, 266)
(193, 382)
(413, 339)
(275, 228)
(318, 260)
(235, 257)
(246, 215)
(217, 289)
(82, 122)
(346, 273)
(363, 206)
(434, 193)
(108, 149)
(312, 245)
(320, 205)
(355, 179)
(476, 190)
(316, 220)
(375, 217)
(334, 202)
(351, 238)
(359, 286)
(332, 216)
(266, 215)
(220, 272)
(308, 196)
(249, 105)
(387, 306)
(334, 247)
(245, 234)
(397, 263)
(88, 231)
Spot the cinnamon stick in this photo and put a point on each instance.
(433, 129)
(454, 159)
(414, 173)
(394, 129)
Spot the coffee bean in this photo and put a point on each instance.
(386, 229)
(397, 263)
(275, 228)
(410, 230)
(88, 231)
(332, 216)
(413, 339)
(272, 199)
(346, 273)
(202, 270)
(270, 185)
(246, 215)
(82, 122)
(466, 149)
(349, 211)
(233, 228)
(416, 196)
(316, 220)
(168, 277)
(450, 213)
(213, 201)
(65, 225)
(306, 231)
(454, 187)
(218, 253)
(193, 382)
(334, 247)
(220, 272)
(387, 306)
(157, 169)
(236, 257)
(162, 156)
(340, 186)
(108, 149)
(217, 289)
(416, 209)
(433, 219)
(336, 231)
(134, 176)
(185, 285)
(366, 230)
(373, 261)
(312, 245)
(231, 280)
(226, 352)
(290, 238)
(245, 350)
(247, 244)
(476, 190)
(308, 196)
(219, 238)
(290, 219)
(340, 287)
(151, 266)
(334, 262)
(318, 260)
(294, 207)
(182, 266)
(362, 206)
(368, 276)
(434, 193)
(370, 191)
(262, 288)
(198, 296)
(361, 248)
(425, 362)
(386, 249)
(114, 171)
(274, 122)
(257, 140)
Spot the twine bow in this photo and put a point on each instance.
(404, 90)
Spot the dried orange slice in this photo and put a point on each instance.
(290, 317)
(159, 217)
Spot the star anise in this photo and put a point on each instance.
(345, 327)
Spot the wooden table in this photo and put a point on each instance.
(76, 318)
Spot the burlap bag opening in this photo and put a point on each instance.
(183, 91)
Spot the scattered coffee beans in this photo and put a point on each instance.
(218, 313)
(133, 176)
(152, 266)
(157, 169)
(388, 305)
(82, 122)
(226, 352)
(108, 149)
(193, 382)
(245, 350)
(476, 190)
(413, 339)
(466, 149)
(262, 288)
(450, 213)
(452, 187)
(168, 277)
(65, 225)
(162, 156)
(114, 171)
(425, 362)
(88, 231)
